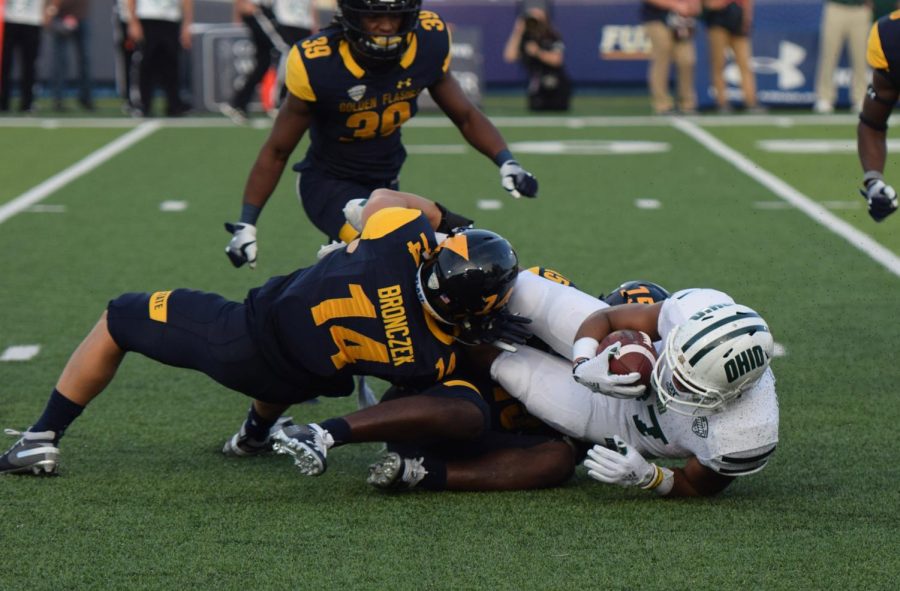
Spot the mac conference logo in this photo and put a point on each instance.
(786, 67)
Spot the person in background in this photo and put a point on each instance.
(160, 29)
(296, 19)
(539, 46)
(124, 48)
(22, 37)
(670, 25)
(69, 27)
(844, 22)
(883, 56)
(259, 20)
(729, 23)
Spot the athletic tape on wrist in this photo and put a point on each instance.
(585, 347)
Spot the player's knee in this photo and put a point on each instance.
(470, 419)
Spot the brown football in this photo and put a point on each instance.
(636, 354)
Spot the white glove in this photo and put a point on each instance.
(242, 247)
(353, 213)
(622, 466)
(517, 180)
(594, 373)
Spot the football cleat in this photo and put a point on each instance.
(393, 472)
(307, 444)
(33, 453)
(241, 445)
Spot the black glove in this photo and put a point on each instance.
(881, 197)
(499, 326)
(451, 221)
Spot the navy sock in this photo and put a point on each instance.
(58, 415)
(257, 426)
(436, 479)
(339, 429)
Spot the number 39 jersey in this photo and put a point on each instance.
(357, 113)
(357, 312)
(735, 441)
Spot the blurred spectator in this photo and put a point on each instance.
(124, 48)
(296, 19)
(259, 19)
(69, 28)
(844, 22)
(729, 23)
(22, 36)
(670, 25)
(160, 29)
(540, 48)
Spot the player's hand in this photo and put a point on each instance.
(242, 247)
(594, 373)
(501, 328)
(881, 197)
(517, 180)
(623, 465)
(353, 213)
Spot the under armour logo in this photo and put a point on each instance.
(404, 83)
(785, 66)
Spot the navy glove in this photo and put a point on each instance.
(517, 180)
(500, 328)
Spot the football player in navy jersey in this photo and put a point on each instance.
(883, 55)
(353, 86)
(387, 305)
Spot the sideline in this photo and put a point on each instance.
(858, 239)
(82, 167)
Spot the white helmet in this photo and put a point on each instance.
(711, 358)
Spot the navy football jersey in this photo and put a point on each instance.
(357, 114)
(357, 313)
(883, 51)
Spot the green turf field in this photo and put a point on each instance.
(146, 500)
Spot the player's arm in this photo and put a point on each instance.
(590, 365)
(627, 468)
(481, 134)
(294, 118)
(358, 211)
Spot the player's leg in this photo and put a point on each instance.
(505, 461)
(685, 62)
(323, 198)
(450, 411)
(87, 373)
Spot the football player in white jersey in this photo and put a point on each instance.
(713, 402)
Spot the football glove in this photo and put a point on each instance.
(501, 328)
(881, 197)
(594, 373)
(353, 213)
(242, 247)
(623, 465)
(517, 180)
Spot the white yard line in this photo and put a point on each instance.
(860, 240)
(87, 164)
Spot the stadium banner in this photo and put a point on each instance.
(606, 46)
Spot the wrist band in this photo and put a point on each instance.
(872, 175)
(662, 481)
(585, 347)
(502, 156)
(250, 213)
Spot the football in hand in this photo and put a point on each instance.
(636, 354)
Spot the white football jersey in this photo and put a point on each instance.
(735, 441)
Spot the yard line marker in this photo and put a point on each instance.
(860, 240)
(82, 167)
(489, 204)
(647, 203)
(173, 205)
(20, 353)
